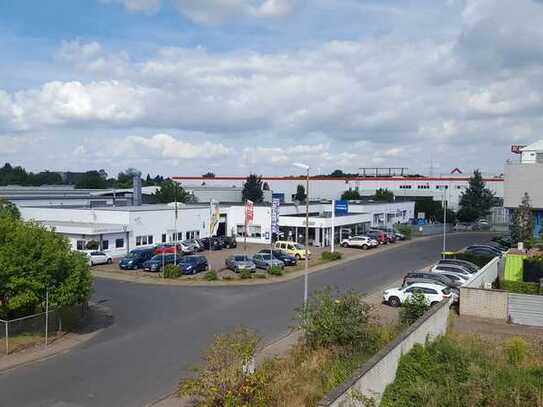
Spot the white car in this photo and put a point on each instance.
(364, 242)
(99, 258)
(432, 292)
(451, 268)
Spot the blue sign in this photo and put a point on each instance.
(280, 196)
(275, 215)
(342, 207)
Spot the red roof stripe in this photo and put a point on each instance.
(320, 178)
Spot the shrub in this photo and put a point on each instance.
(328, 320)
(275, 271)
(245, 274)
(226, 378)
(211, 275)
(519, 287)
(413, 308)
(172, 271)
(405, 230)
(516, 350)
(331, 256)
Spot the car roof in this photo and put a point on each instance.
(426, 285)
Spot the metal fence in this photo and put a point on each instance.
(42, 328)
(526, 309)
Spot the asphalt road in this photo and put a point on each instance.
(159, 331)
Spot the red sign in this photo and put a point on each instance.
(515, 148)
(249, 212)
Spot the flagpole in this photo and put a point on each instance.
(245, 234)
(175, 226)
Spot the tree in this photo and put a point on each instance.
(523, 221)
(413, 308)
(91, 180)
(168, 191)
(476, 201)
(337, 173)
(300, 193)
(433, 210)
(8, 208)
(351, 195)
(34, 260)
(209, 175)
(252, 189)
(265, 187)
(384, 195)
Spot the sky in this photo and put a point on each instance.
(183, 87)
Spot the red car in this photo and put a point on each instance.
(167, 248)
(378, 235)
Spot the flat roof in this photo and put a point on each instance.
(128, 208)
(329, 178)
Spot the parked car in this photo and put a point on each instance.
(187, 248)
(363, 242)
(433, 293)
(461, 279)
(428, 277)
(294, 249)
(399, 236)
(481, 251)
(240, 262)
(378, 235)
(135, 259)
(96, 257)
(267, 261)
(481, 224)
(487, 248)
(228, 242)
(451, 268)
(463, 227)
(155, 263)
(193, 264)
(194, 244)
(286, 258)
(211, 243)
(498, 246)
(504, 240)
(473, 268)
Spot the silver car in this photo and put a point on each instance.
(266, 261)
(240, 262)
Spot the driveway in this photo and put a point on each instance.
(159, 331)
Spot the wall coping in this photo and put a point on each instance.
(336, 393)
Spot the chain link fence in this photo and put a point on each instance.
(43, 328)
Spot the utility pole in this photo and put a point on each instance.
(333, 224)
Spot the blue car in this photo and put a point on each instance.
(135, 259)
(193, 264)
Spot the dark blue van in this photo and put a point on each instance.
(135, 259)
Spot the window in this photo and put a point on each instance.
(192, 234)
(105, 245)
(429, 291)
(240, 230)
(164, 237)
(81, 244)
(254, 231)
(144, 240)
(405, 186)
(119, 243)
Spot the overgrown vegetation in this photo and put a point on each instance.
(211, 275)
(331, 256)
(34, 260)
(8, 208)
(172, 271)
(404, 230)
(522, 221)
(453, 372)
(245, 274)
(413, 308)
(275, 271)
(520, 287)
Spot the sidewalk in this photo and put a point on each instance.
(99, 318)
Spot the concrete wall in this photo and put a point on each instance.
(380, 371)
(521, 178)
(483, 303)
(487, 275)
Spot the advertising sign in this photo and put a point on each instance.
(276, 202)
(249, 212)
(214, 217)
(280, 196)
(342, 207)
(515, 148)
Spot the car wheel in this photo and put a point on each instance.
(364, 247)
(433, 303)
(394, 302)
(298, 257)
(109, 261)
(345, 245)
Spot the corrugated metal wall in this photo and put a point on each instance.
(526, 309)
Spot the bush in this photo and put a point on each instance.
(211, 275)
(516, 350)
(331, 256)
(275, 271)
(405, 230)
(413, 308)
(172, 271)
(226, 379)
(519, 287)
(328, 320)
(245, 274)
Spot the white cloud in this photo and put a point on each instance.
(11, 145)
(145, 6)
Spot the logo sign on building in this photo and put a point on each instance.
(214, 212)
(280, 196)
(515, 148)
(249, 212)
(276, 202)
(342, 207)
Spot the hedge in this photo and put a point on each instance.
(331, 256)
(520, 287)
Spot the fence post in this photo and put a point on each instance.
(7, 337)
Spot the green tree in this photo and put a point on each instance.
(384, 195)
(523, 221)
(91, 180)
(252, 189)
(300, 193)
(433, 210)
(168, 191)
(476, 201)
(8, 208)
(413, 308)
(125, 178)
(33, 260)
(209, 174)
(351, 195)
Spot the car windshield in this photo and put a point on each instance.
(266, 257)
(158, 257)
(299, 246)
(189, 259)
(240, 258)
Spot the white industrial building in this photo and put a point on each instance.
(449, 188)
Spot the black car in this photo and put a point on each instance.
(193, 264)
(483, 247)
(211, 243)
(228, 242)
(473, 268)
(481, 251)
(421, 276)
(156, 262)
(135, 259)
(286, 258)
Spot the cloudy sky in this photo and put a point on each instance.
(180, 87)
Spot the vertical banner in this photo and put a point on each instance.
(275, 215)
(249, 212)
(214, 211)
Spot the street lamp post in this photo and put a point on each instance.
(444, 204)
(306, 260)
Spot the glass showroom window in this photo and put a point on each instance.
(240, 230)
(254, 231)
(81, 244)
(119, 243)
